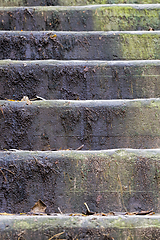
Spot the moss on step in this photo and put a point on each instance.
(120, 18)
(80, 45)
(140, 46)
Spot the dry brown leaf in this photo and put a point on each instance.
(140, 213)
(39, 207)
(6, 214)
(53, 36)
(11, 100)
(77, 214)
(150, 29)
(26, 99)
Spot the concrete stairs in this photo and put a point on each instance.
(95, 68)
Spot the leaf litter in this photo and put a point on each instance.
(40, 209)
(26, 100)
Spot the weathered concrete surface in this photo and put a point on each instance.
(126, 17)
(112, 180)
(7, 3)
(80, 45)
(63, 124)
(103, 228)
(84, 80)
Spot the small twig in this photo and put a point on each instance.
(38, 161)
(53, 170)
(56, 235)
(80, 43)
(60, 210)
(1, 170)
(20, 238)
(7, 170)
(86, 41)
(2, 111)
(87, 207)
(79, 148)
(88, 212)
(20, 235)
(3, 175)
(41, 98)
(28, 11)
(75, 237)
(37, 98)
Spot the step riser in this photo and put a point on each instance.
(46, 125)
(121, 180)
(105, 18)
(82, 228)
(79, 80)
(80, 45)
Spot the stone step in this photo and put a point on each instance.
(77, 80)
(114, 180)
(78, 227)
(7, 3)
(64, 124)
(134, 45)
(117, 17)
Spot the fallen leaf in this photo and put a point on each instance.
(6, 214)
(11, 100)
(140, 213)
(145, 212)
(86, 69)
(150, 29)
(53, 36)
(39, 207)
(26, 99)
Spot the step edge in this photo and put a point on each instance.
(86, 102)
(65, 221)
(103, 33)
(84, 152)
(79, 62)
(87, 7)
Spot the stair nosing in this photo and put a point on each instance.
(87, 7)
